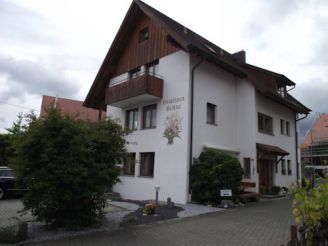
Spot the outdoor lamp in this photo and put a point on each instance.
(157, 190)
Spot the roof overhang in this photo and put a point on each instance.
(288, 101)
(271, 149)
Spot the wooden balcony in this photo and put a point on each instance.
(142, 89)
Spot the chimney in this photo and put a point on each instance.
(240, 56)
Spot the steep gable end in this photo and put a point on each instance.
(147, 42)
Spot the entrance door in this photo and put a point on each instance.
(266, 175)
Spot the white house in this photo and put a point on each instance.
(179, 93)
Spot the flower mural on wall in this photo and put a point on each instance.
(173, 127)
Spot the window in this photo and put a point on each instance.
(282, 127)
(144, 35)
(283, 167)
(210, 115)
(131, 122)
(152, 67)
(134, 73)
(147, 164)
(265, 124)
(149, 116)
(247, 168)
(287, 128)
(289, 167)
(277, 167)
(129, 164)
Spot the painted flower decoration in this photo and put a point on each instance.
(173, 127)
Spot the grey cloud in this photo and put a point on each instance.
(29, 77)
(273, 12)
(19, 23)
(269, 13)
(320, 49)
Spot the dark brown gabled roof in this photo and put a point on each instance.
(264, 80)
(288, 101)
(280, 79)
(185, 38)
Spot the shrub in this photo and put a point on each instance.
(310, 208)
(68, 164)
(149, 209)
(213, 171)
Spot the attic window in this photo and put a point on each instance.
(210, 49)
(144, 35)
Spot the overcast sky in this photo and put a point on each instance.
(56, 47)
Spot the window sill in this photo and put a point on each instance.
(212, 124)
(267, 133)
(128, 175)
(147, 128)
(147, 177)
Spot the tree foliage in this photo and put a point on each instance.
(310, 208)
(7, 149)
(213, 171)
(68, 164)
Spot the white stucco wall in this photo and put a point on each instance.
(171, 161)
(216, 86)
(246, 126)
(277, 112)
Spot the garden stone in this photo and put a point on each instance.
(227, 204)
(12, 230)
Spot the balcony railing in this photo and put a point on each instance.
(145, 86)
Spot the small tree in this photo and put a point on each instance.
(68, 164)
(213, 171)
(310, 208)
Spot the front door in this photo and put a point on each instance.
(266, 175)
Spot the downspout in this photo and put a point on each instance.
(192, 116)
(296, 143)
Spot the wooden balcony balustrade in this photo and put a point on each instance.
(145, 84)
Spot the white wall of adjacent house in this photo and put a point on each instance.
(171, 160)
(217, 87)
(287, 142)
(235, 117)
(246, 128)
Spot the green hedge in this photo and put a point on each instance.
(213, 171)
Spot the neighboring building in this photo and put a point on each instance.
(72, 108)
(179, 93)
(314, 150)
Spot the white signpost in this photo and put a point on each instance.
(226, 193)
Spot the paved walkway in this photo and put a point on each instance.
(264, 223)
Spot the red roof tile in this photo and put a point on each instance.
(319, 131)
(71, 107)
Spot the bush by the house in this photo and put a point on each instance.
(310, 207)
(68, 165)
(149, 209)
(213, 171)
